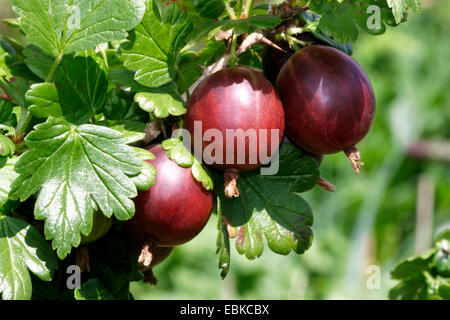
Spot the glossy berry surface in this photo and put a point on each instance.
(175, 209)
(238, 98)
(328, 100)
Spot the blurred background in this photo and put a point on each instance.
(393, 209)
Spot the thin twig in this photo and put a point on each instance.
(250, 40)
(254, 38)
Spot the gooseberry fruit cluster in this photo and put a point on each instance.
(323, 96)
(172, 212)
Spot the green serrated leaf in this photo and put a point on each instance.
(268, 208)
(71, 167)
(7, 176)
(7, 147)
(347, 48)
(413, 265)
(22, 248)
(190, 64)
(37, 61)
(64, 26)
(12, 22)
(92, 289)
(44, 100)
(399, 7)
(209, 8)
(342, 21)
(296, 173)
(125, 79)
(131, 130)
(143, 154)
(6, 112)
(284, 219)
(7, 58)
(201, 175)
(414, 288)
(176, 151)
(3, 161)
(265, 21)
(82, 88)
(118, 104)
(155, 43)
(337, 19)
(161, 103)
(146, 178)
(124, 115)
(16, 89)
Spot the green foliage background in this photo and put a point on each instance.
(370, 219)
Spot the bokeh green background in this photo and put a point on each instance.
(370, 222)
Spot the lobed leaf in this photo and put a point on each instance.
(413, 266)
(71, 167)
(82, 88)
(44, 100)
(267, 206)
(176, 151)
(154, 45)
(37, 61)
(64, 26)
(161, 102)
(22, 248)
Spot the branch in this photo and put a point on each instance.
(250, 40)
(254, 38)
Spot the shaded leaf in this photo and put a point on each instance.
(22, 248)
(92, 289)
(7, 176)
(44, 100)
(37, 61)
(71, 167)
(82, 88)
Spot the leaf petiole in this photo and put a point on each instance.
(248, 6)
(233, 59)
(54, 67)
(230, 11)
